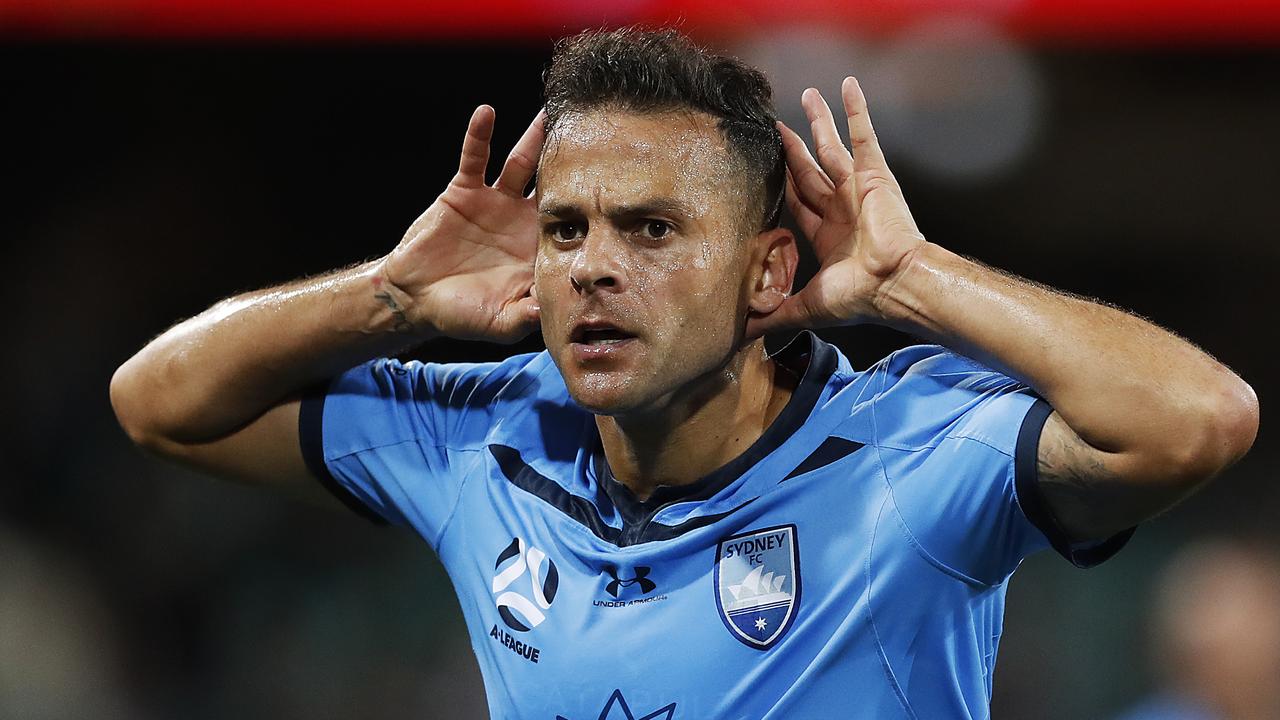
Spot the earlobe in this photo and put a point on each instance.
(776, 270)
(767, 301)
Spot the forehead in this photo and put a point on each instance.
(612, 155)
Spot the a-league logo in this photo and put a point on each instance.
(517, 611)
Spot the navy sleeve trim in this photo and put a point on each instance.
(311, 437)
(1027, 483)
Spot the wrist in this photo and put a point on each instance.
(903, 300)
(394, 311)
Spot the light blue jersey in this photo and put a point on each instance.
(852, 563)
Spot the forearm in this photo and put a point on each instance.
(210, 374)
(1122, 384)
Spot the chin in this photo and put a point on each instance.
(603, 394)
(601, 389)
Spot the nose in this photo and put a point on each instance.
(597, 266)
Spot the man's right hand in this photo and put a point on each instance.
(220, 392)
(465, 267)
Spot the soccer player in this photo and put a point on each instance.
(653, 518)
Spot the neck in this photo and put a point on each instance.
(700, 428)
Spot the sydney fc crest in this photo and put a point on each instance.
(758, 584)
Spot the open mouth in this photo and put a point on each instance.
(602, 336)
(598, 336)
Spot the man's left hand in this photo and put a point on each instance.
(851, 210)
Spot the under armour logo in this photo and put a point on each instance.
(641, 578)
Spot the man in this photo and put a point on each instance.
(653, 518)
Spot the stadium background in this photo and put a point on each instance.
(159, 156)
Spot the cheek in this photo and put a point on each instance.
(698, 299)
(540, 266)
(550, 271)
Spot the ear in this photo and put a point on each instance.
(774, 263)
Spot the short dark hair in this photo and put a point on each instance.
(650, 71)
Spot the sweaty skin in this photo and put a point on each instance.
(640, 223)
(1141, 417)
(642, 226)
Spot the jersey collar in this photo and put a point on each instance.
(808, 356)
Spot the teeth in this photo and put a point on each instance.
(609, 341)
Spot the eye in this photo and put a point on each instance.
(565, 231)
(656, 229)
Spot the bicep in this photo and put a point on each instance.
(1091, 493)
(264, 452)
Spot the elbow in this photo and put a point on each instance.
(1220, 432)
(134, 405)
(127, 405)
(1237, 420)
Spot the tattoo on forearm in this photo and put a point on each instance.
(402, 323)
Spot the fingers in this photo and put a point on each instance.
(805, 216)
(812, 185)
(868, 158)
(520, 165)
(523, 160)
(475, 148)
(832, 155)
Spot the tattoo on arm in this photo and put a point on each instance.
(1073, 476)
(402, 323)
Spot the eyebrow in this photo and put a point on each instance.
(645, 208)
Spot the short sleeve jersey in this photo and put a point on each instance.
(852, 562)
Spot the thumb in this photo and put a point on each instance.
(517, 320)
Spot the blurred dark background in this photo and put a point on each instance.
(145, 179)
